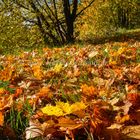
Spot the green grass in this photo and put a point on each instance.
(19, 120)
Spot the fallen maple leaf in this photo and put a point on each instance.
(62, 108)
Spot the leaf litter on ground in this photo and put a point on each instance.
(89, 92)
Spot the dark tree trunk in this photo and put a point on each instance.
(70, 31)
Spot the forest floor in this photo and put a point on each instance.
(78, 92)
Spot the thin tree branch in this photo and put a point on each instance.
(85, 8)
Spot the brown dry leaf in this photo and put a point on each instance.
(48, 124)
(135, 116)
(49, 128)
(76, 71)
(134, 98)
(112, 132)
(80, 113)
(96, 127)
(126, 107)
(68, 124)
(69, 135)
(9, 133)
(64, 121)
(103, 114)
(1, 119)
(131, 133)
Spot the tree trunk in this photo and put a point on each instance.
(70, 31)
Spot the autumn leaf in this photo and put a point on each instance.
(18, 92)
(67, 123)
(92, 54)
(37, 71)
(34, 130)
(62, 108)
(45, 92)
(57, 68)
(88, 90)
(1, 119)
(2, 91)
(96, 126)
(134, 98)
(122, 119)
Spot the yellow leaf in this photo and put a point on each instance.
(112, 62)
(62, 108)
(121, 50)
(65, 107)
(52, 110)
(2, 90)
(57, 68)
(37, 71)
(77, 106)
(122, 119)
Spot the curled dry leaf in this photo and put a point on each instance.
(34, 130)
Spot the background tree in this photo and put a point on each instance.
(108, 17)
(14, 33)
(54, 18)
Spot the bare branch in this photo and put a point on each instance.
(85, 8)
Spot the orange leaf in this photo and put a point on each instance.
(18, 92)
(122, 119)
(1, 119)
(96, 127)
(68, 124)
(88, 90)
(44, 92)
(134, 98)
(2, 91)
